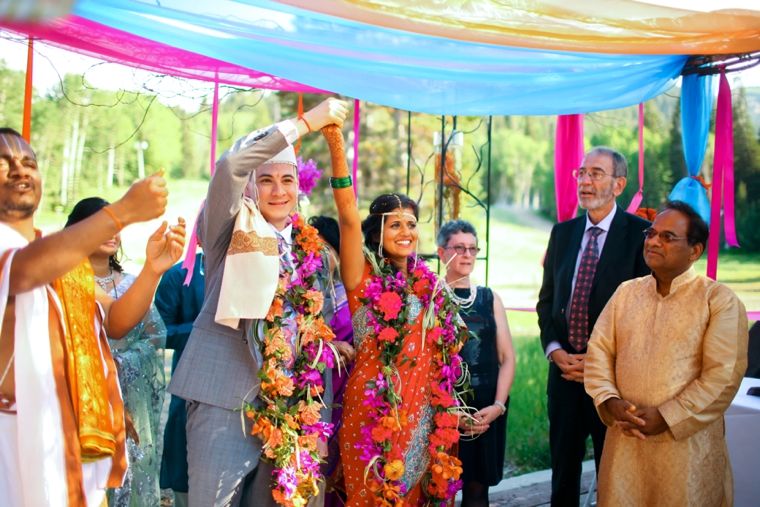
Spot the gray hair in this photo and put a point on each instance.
(619, 164)
(454, 227)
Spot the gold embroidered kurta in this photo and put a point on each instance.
(686, 354)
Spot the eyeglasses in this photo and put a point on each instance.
(665, 236)
(594, 174)
(460, 249)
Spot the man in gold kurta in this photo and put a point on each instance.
(666, 358)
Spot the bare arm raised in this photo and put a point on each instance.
(351, 255)
(49, 258)
(162, 252)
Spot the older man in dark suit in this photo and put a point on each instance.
(587, 258)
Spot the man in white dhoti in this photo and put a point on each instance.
(61, 415)
(666, 358)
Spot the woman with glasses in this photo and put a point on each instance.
(490, 358)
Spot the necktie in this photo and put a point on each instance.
(284, 251)
(289, 325)
(578, 330)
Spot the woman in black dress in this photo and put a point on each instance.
(490, 358)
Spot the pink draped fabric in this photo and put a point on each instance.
(99, 41)
(723, 174)
(192, 246)
(189, 262)
(568, 155)
(636, 201)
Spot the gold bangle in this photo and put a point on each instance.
(118, 224)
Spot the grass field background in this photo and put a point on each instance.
(518, 243)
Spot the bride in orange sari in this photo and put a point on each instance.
(401, 404)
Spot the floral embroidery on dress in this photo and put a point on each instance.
(415, 307)
(360, 323)
(417, 455)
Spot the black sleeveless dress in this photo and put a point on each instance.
(482, 458)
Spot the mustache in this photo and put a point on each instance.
(16, 181)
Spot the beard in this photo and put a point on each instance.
(601, 197)
(19, 209)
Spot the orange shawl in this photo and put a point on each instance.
(95, 407)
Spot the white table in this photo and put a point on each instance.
(743, 439)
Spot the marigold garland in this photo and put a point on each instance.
(291, 375)
(384, 298)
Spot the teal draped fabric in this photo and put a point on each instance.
(697, 97)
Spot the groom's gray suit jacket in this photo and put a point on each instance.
(218, 366)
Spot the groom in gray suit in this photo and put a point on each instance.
(219, 365)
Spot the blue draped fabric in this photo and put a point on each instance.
(394, 68)
(697, 96)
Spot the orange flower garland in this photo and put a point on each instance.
(291, 374)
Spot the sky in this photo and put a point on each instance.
(50, 64)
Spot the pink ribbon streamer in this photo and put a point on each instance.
(189, 262)
(356, 148)
(723, 174)
(636, 201)
(214, 123)
(568, 155)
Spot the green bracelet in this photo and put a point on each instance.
(343, 182)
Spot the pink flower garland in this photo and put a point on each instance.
(384, 296)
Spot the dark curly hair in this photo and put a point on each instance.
(85, 209)
(371, 226)
(328, 228)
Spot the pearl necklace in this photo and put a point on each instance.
(464, 303)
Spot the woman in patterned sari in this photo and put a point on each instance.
(383, 246)
(139, 357)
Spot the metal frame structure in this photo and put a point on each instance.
(438, 188)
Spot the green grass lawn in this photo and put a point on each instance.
(527, 425)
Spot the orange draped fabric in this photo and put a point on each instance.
(415, 391)
(95, 400)
(595, 26)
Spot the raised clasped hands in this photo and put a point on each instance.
(572, 365)
(633, 422)
(165, 246)
(330, 111)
